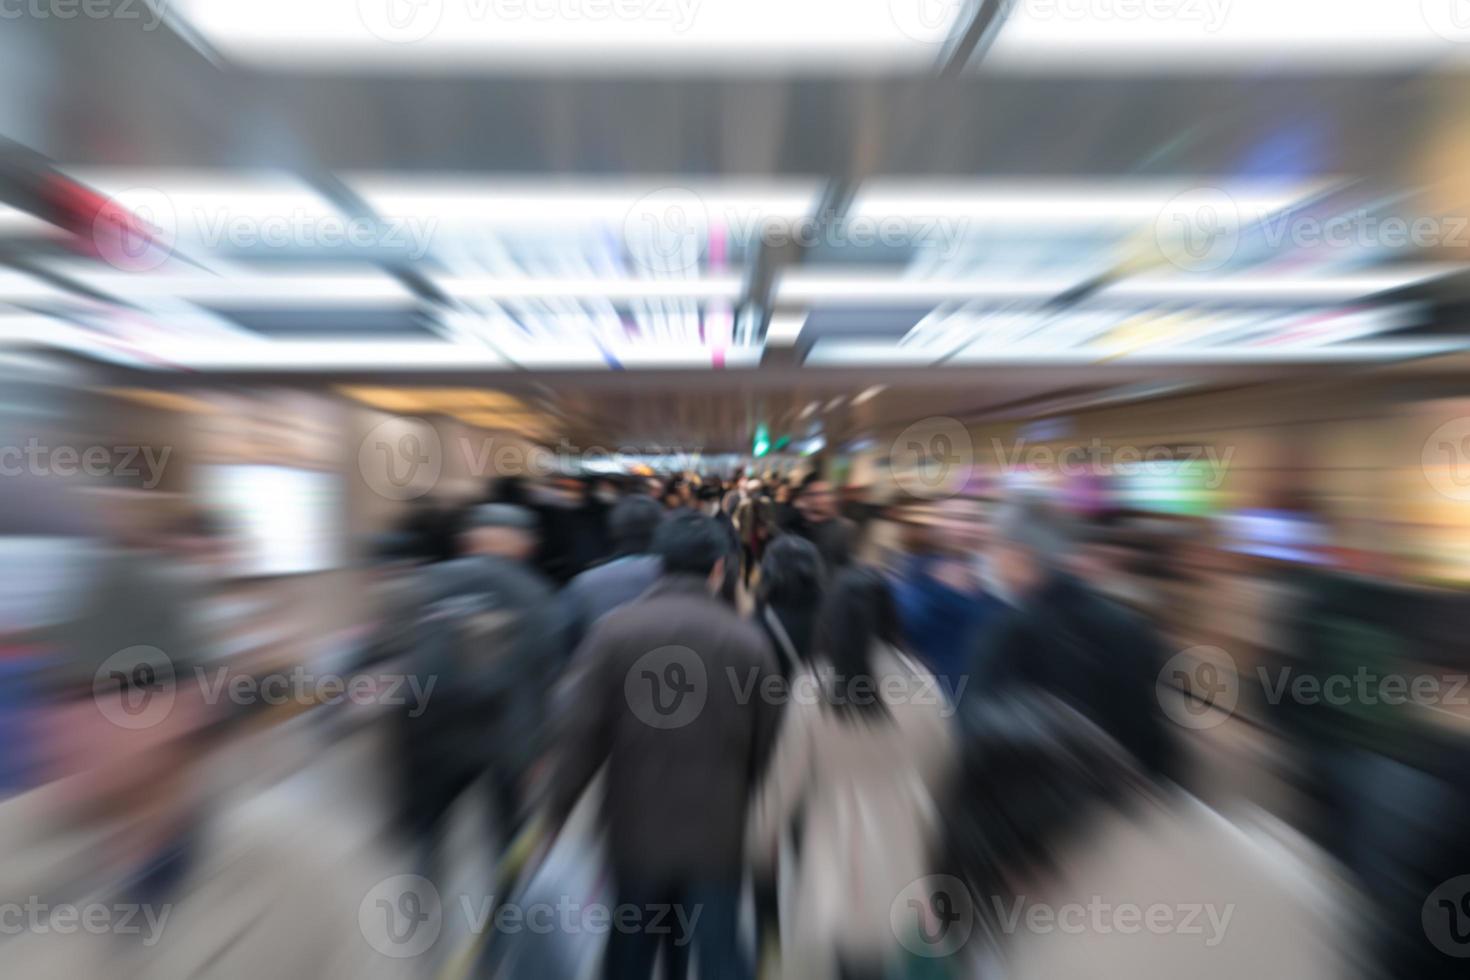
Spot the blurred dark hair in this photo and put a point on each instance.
(507, 490)
(632, 523)
(792, 572)
(857, 615)
(689, 543)
(1034, 776)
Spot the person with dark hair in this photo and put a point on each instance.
(489, 631)
(652, 696)
(782, 509)
(633, 569)
(1060, 637)
(432, 527)
(792, 582)
(864, 747)
(1049, 812)
(819, 521)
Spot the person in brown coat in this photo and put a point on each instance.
(671, 694)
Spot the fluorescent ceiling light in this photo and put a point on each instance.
(1326, 288)
(705, 288)
(334, 356)
(18, 287)
(868, 394)
(834, 353)
(15, 223)
(668, 205)
(219, 208)
(358, 286)
(976, 209)
(571, 35)
(1207, 35)
(815, 287)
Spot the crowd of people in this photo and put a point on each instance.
(762, 700)
(831, 756)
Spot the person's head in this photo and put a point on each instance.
(632, 523)
(1034, 774)
(857, 616)
(818, 501)
(782, 493)
(502, 530)
(692, 544)
(752, 486)
(1031, 543)
(792, 573)
(604, 490)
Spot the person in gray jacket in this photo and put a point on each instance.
(598, 591)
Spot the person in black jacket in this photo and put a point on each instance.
(1060, 637)
(489, 634)
(819, 521)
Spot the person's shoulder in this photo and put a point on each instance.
(589, 580)
(525, 580)
(444, 578)
(750, 638)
